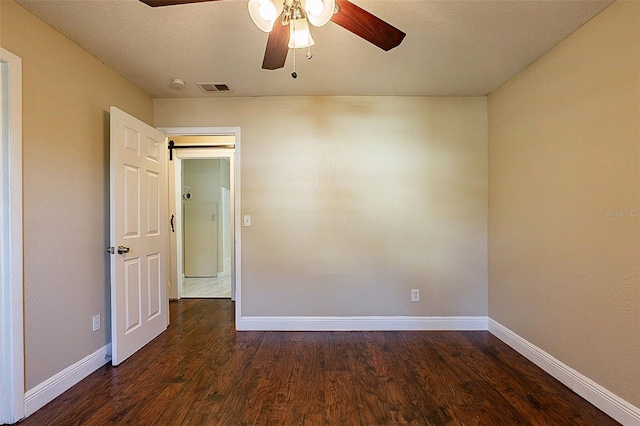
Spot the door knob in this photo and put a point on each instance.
(123, 249)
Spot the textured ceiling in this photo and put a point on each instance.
(452, 48)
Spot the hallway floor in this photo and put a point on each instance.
(207, 287)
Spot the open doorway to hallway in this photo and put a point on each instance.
(206, 228)
(204, 198)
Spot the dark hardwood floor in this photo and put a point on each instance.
(202, 372)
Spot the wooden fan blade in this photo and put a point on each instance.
(369, 27)
(275, 55)
(158, 3)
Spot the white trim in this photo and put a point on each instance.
(616, 407)
(201, 131)
(56, 385)
(371, 323)
(177, 224)
(11, 283)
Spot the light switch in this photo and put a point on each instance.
(247, 220)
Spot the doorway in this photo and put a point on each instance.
(203, 143)
(12, 406)
(206, 228)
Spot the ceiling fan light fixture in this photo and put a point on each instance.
(264, 13)
(319, 12)
(299, 34)
(314, 7)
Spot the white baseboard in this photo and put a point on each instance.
(47, 391)
(373, 323)
(616, 407)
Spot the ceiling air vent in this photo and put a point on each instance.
(214, 87)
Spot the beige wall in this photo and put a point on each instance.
(563, 157)
(67, 94)
(356, 200)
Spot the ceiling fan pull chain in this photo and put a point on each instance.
(294, 74)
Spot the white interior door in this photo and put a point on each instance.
(139, 234)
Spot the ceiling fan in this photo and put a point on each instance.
(286, 21)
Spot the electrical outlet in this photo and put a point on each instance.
(415, 295)
(96, 322)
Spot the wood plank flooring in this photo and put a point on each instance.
(202, 372)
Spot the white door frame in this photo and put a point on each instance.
(11, 270)
(235, 193)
